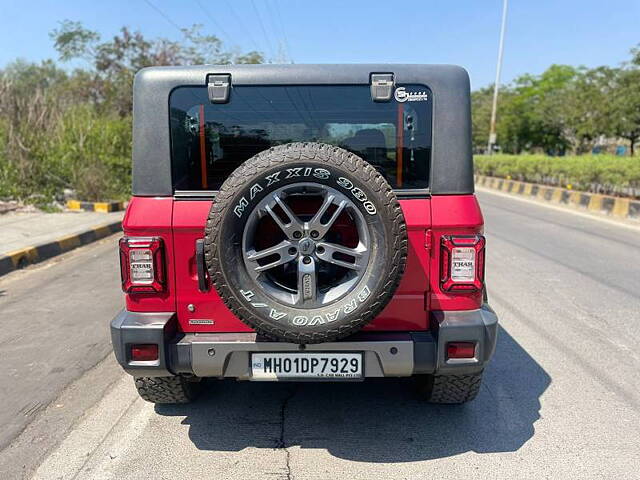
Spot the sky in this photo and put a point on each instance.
(464, 32)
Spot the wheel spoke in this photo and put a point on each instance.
(294, 224)
(326, 203)
(307, 290)
(316, 222)
(326, 251)
(281, 249)
(310, 266)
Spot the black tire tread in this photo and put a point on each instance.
(174, 389)
(450, 389)
(279, 156)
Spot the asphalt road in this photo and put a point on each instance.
(54, 319)
(560, 399)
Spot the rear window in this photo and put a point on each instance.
(208, 141)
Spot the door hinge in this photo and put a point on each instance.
(428, 239)
(203, 277)
(218, 86)
(382, 86)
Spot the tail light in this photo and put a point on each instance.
(142, 264)
(462, 263)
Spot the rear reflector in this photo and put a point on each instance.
(144, 352)
(461, 350)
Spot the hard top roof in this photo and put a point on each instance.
(451, 158)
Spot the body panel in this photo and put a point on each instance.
(452, 214)
(189, 219)
(151, 217)
(181, 222)
(405, 312)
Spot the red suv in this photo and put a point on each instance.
(303, 222)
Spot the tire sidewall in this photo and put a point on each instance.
(256, 307)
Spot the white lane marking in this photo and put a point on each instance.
(593, 216)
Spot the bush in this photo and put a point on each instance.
(92, 153)
(78, 148)
(593, 173)
(62, 128)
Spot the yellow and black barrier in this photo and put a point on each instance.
(104, 207)
(606, 204)
(37, 253)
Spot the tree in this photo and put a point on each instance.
(116, 61)
(544, 101)
(481, 116)
(588, 106)
(132, 51)
(72, 129)
(635, 55)
(564, 108)
(626, 104)
(514, 122)
(532, 112)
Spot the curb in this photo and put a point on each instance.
(594, 202)
(34, 254)
(104, 207)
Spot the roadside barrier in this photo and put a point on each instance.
(37, 253)
(605, 204)
(105, 207)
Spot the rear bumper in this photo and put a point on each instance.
(386, 354)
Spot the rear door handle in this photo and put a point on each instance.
(203, 281)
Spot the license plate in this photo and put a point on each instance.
(279, 366)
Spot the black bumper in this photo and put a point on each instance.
(386, 354)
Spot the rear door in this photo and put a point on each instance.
(210, 140)
(408, 308)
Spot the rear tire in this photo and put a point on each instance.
(449, 389)
(167, 389)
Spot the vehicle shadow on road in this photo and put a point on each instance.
(379, 420)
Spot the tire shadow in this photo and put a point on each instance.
(379, 420)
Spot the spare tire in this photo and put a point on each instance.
(305, 243)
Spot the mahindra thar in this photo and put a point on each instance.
(303, 222)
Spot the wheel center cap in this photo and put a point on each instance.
(306, 246)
